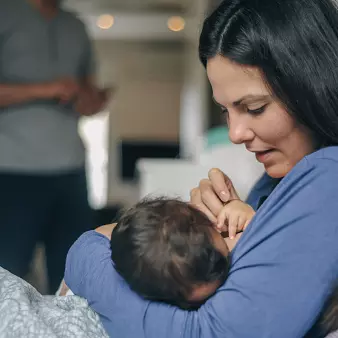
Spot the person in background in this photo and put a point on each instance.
(46, 84)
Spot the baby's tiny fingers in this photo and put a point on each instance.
(246, 224)
(232, 225)
(241, 223)
(222, 219)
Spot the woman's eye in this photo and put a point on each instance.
(224, 111)
(257, 111)
(225, 115)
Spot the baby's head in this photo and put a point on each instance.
(169, 251)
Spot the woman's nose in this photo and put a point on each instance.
(239, 129)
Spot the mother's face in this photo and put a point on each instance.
(255, 118)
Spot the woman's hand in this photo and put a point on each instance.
(236, 216)
(106, 230)
(212, 193)
(64, 288)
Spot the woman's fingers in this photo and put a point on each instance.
(212, 193)
(209, 197)
(241, 223)
(196, 201)
(222, 185)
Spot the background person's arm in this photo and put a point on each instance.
(12, 93)
(281, 275)
(91, 99)
(63, 89)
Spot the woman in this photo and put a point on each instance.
(273, 69)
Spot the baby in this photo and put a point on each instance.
(169, 251)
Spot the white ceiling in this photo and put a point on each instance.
(139, 19)
(97, 6)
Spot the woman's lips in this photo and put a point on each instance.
(262, 156)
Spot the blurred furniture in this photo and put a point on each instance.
(175, 178)
(216, 136)
(130, 151)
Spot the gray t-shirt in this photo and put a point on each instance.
(42, 136)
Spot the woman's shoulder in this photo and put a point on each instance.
(315, 167)
(305, 200)
(324, 155)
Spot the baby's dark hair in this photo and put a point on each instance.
(163, 247)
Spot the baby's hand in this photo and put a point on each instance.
(237, 215)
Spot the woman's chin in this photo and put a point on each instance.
(277, 170)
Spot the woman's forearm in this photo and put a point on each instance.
(64, 289)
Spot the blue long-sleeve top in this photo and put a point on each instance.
(283, 268)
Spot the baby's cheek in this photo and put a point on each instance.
(204, 291)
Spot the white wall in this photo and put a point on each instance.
(194, 103)
(148, 78)
(194, 113)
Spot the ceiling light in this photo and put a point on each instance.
(176, 23)
(105, 21)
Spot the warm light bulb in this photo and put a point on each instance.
(176, 23)
(105, 21)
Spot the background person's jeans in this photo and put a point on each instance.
(52, 209)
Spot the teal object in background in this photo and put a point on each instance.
(216, 136)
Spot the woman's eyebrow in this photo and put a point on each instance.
(249, 97)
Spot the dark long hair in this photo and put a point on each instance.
(294, 43)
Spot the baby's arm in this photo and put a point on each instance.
(236, 215)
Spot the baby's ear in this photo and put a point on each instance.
(225, 234)
(231, 243)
